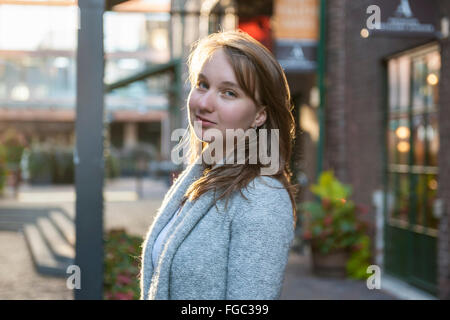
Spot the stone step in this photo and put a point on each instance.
(14, 221)
(10, 225)
(16, 217)
(58, 245)
(44, 260)
(65, 225)
(70, 214)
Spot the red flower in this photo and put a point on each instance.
(307, 235)
(328, 220)
(123, 279)
(124, 296)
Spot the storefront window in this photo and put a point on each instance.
(404, 83)
(399, 187)
(398, 136)
(413, 139)
(433, 139)
(393, 83)
(38, 79)
(419, 135)
(38, 60)
(434, 67)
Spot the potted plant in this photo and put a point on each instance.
(330, 224)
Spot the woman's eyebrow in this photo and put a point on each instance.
(230, 84)
(223, 83)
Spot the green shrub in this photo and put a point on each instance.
(3, 170)
(12, 145)
(39, 164)
(15, 143)
(54, 164)
(63, 169)
(130, 158)
(122, 266)
(360, 259)
(112, 166)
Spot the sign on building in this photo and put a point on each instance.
(405, 17)
(296, 29)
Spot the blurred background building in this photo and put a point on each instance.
(378, 117)
(387, 129)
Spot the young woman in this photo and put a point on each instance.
(224, 229)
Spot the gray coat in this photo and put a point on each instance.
(240, 253)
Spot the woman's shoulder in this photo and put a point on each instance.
(266, 206)
(265, 194)
(263, 186)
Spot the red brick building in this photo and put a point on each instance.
(387, 132)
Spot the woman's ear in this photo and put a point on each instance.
(261, 117)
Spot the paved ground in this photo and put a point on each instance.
(18, 279)
(301, 284)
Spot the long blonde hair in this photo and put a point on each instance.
(257, 71)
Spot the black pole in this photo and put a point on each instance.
(89, 163)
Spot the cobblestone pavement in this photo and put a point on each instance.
(301, 284)
(19, 280)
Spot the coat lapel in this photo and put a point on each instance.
(168, 207)
(190, 215)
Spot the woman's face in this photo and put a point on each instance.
(218, 99)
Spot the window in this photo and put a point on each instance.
(413, 139)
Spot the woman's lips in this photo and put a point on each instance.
(205, 123)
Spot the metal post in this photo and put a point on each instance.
(175, 120)
(89, 163)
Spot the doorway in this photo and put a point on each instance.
(412, 171)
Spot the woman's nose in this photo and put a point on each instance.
(206, 101)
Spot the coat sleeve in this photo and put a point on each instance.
(261, 234)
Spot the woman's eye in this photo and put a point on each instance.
(202, 84)
(229, 93)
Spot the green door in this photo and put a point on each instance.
(411, 227)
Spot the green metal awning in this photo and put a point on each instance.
(152, 71)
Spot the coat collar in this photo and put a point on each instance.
(190, 214)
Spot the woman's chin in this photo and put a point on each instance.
(203, 136)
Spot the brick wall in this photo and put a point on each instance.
(335, 153)
(354, 109)
(354, 139)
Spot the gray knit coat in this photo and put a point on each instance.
(211, 253)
